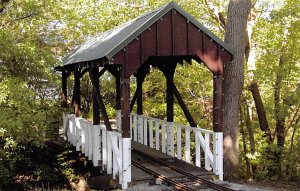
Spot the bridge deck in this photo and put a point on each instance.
(139, 175)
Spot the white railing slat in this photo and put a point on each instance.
(179, 152)
(104, 149)
(187, 146)
(156, 135)
(151, 133)
(198, 150)
(135, 128)
(140, 129)
(163, 137)
(145, 131)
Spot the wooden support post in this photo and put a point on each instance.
(113, 69)
(218, 103)
(118, 92)
(168, 70)
(96, 107)
(139, 89)
(133, 100)
(125, 109)
(138, 94)
(170, 99)
(76, 93)
(100, 101)
(183, 106)
(64, 96)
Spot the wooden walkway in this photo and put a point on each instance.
(139, 175)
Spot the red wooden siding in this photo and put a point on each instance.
(172, 35)
(149, 41)
(180, 35)
(164, 35)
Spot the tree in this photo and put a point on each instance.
(235, 35)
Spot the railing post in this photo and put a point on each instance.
(207, 149)
(187, 145)
(151, 133)
(90, 140)
(104, 149)
(126, 162)
(135, 128)
(140, 129)
(170, 138)
(78, 134)
(86, 133)
(115, 160)
(198, 150)
(109, 153)
(83, 136)
(163, 137)
(218, 154)
(156, 135)
(96, 150)
(179, 150)
(145, 130)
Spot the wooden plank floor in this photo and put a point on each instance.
(139, 175)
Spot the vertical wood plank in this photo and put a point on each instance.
(207, 150)
(109, 154)
(157, 135)
(179, 150)
(104, 149)
(151, 133)
(135, 128)
(145, 131)
(140, 129)
(115, 168)
(187, 145)
(198, 150)
(163, 137)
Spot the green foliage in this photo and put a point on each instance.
(35, 34)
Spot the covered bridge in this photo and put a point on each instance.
(161, 38)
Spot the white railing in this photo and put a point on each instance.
(161, 135)
(105, 148)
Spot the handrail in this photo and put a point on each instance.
(162, 135)
(100, 145)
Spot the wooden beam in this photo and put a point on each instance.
(64, 96)
(168, 70)
(113, 69)
(138, 94)
(183, 106)
(133, 100)
(76, 93)
(118, 93)
(218, 103)
(96, 107)
(125, 109)
(100, 102)
(139, 89)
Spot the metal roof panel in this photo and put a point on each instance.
(108, 43)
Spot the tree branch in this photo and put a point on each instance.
(216, 14)
(18, 19)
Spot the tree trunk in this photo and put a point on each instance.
(235, 35)
(244, 139)
(279, 116)
(251, 137)
(260, 109)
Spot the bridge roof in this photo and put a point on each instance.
(108, 44)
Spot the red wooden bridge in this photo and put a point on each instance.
(161, 38)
